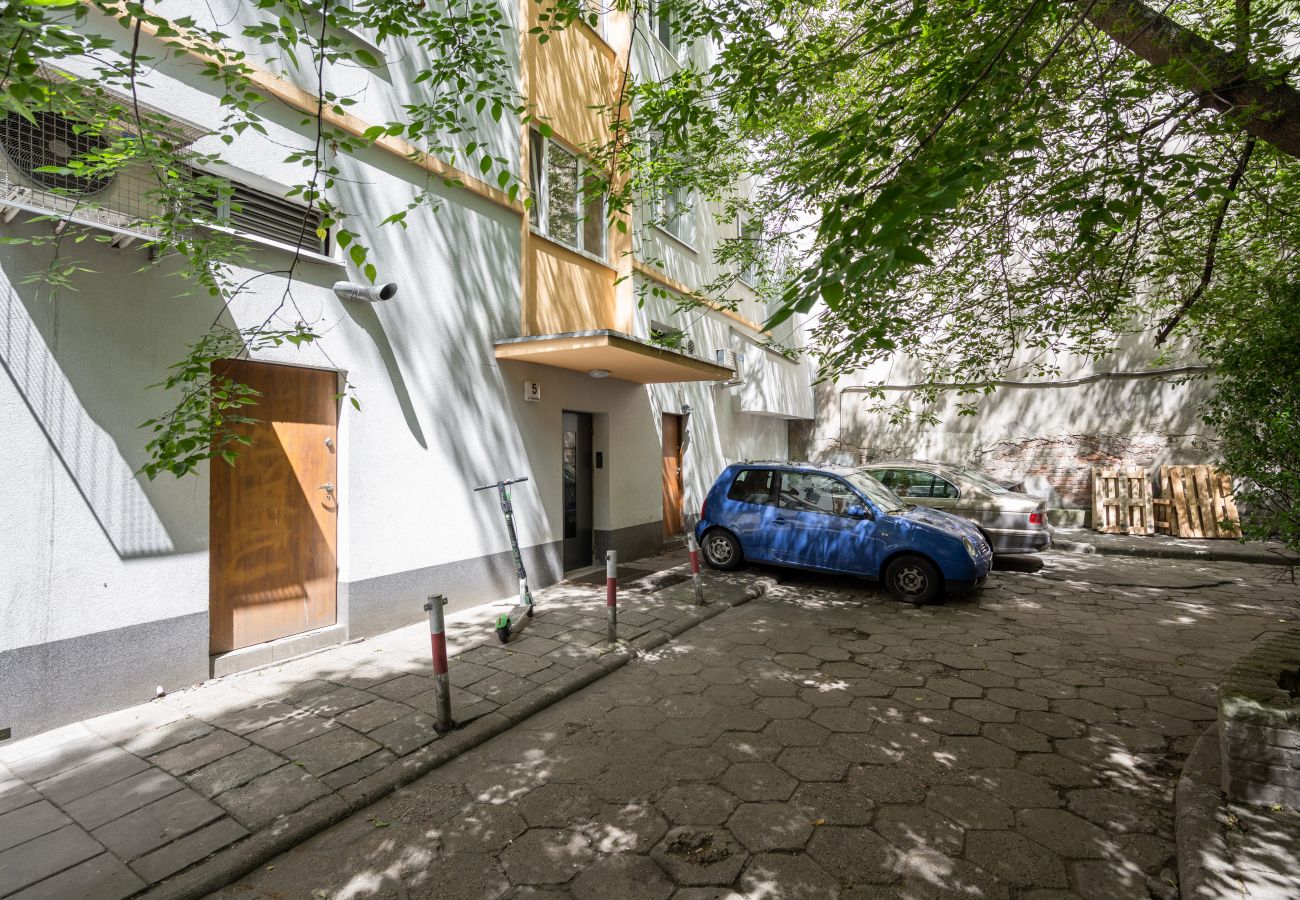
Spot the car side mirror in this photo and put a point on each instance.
(858, 512)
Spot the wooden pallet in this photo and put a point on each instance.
(1194, 501)
(1121, 501)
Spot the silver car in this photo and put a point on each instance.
(1011, 522)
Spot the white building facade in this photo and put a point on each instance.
(510, 349)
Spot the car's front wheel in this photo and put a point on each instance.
(722, 550)
(914, 580)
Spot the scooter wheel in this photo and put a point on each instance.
(503, 633)
(530, 611)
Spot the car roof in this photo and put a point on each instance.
(795, 464)
(913, 463)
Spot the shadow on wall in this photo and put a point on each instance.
(74, 360)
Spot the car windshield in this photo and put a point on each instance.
(983, 481)
(876, 492)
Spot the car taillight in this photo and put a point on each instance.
(1035, 518)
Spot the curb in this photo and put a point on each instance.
(238, 860)
(1244, 556)
(1201, 848)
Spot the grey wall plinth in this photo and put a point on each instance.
(1259, 724)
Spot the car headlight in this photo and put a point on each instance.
(970, 547)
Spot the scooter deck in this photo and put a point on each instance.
(513, 622)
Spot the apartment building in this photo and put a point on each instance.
(519, 343)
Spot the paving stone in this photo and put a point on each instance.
(58, 850)
(946, 721)
(267, 797)
(188, 757)
(459, 673)
(813, 764)
(1019, 738)
(1053, 725)
(1059, 771)
(745, 746)
(700, 856)
(332, 750)
(888, 784)
(757, 781)
(156, 824)
(1015, 788)
(30, 822)
(98, 772)
(407, 734)
(630, 877)
(984, 710)
(1016, 859)
(625, 827)
(796, 732)
(546, 856)
(852, 854)
(830, 803)
(15, 794)
(179, 854)
(483, 828)
(969, 807)
(912, 827)
(688, 732)
(1064, 832)
(534, 645)
(696, 805)
(156, 740)
(1117, 813)
(118, 799)
(770, 826)
(231, 771)
(254, 717)
(373, 715)
(503, 687)
(102, 877)
(47, 755)
(693, 764)
(289, 732)
(354, 772)
(557, 806)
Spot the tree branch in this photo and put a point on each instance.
(1267, 109)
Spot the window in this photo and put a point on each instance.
(912, 483)
(568, 200)
(805, 492)
(261, 214)
(748, 230)
(673, 213)
(661, 24)
(752, 486)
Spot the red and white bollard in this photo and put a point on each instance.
(694, 548)
(611, 593)
(442, 722)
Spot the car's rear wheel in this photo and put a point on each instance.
(722, 550)
(913, 579)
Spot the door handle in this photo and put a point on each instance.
(779, 521)
(328, 488)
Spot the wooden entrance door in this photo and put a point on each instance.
(672, 456)
(272, 515)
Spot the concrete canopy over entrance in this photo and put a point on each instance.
(620, 355)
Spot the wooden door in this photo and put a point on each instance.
(672, 457)
(272, 520)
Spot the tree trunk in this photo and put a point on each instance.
(1268, 110)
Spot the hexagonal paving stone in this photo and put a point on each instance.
(693, 764)
(1054, 725)
(1016, 859)
(912, 827)
(747, 746)
(1015, 788)
(1016, 699)
(1019, 738)
(783, 708)
(739, 718)
(689, 732)
(887, 784)
(812, 764)
(557, 805)
(1122, 813)
(984, 710)
(852, 854)
(797, 661)
(834, 804)
(546, 856)
(966, 753)
(828, 695)
(953, 687)
(969, 807)
(689, 706)
(484, 828)
(700, 856)
(696, 804)
(632, 718)
(757, 781)
(770, 826)
(842, 720)
(946, 721)
(796, 732)
(625, 827)
(1064, 832)
(633, 877)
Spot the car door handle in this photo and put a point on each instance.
(779, 521)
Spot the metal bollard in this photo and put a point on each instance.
(694, 548)
(442, 722)
(611, 593)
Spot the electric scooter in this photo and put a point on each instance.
(516, 619)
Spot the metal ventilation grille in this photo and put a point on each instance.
(256, 213)
(121, 201)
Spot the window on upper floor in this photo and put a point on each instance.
(568, 198)
(661, 25)
(748, 269)
(675, 214)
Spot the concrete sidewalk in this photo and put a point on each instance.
(1163, 546)
(181, 795)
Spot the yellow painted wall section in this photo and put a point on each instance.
(573, 71)
(568, 292)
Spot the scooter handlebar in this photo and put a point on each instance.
(486, 487)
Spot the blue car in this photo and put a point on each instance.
(838, 519)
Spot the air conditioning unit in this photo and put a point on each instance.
(119, 201)
(733, 358)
